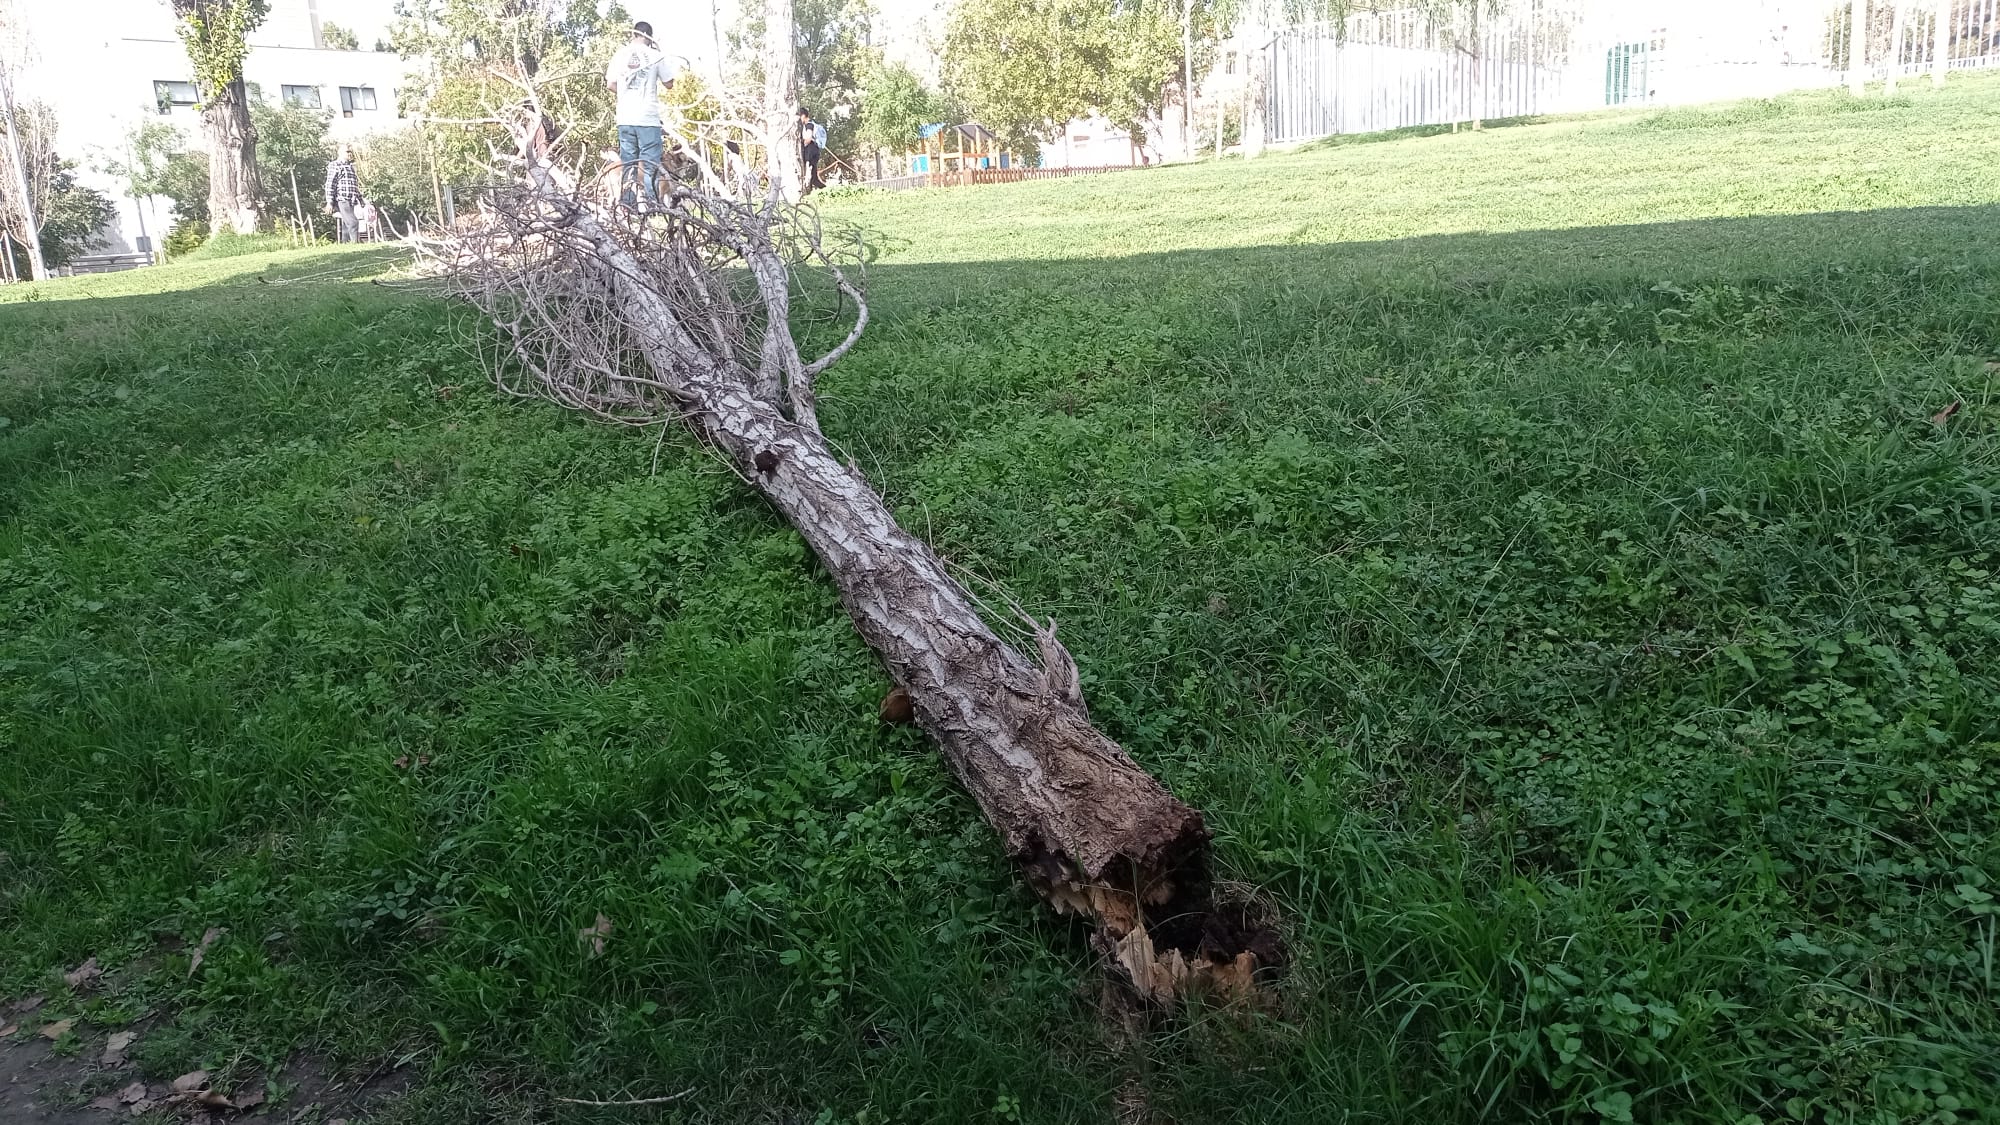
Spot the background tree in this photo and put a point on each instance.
(21, 216)
(162, 164)
(831, 58)
(292, 149)
(395, 170)
(292, 143)
(214, 33)
(467, 45)
(68, 216)
(73, 217)
(1024, 68)
(895, 105)
(334, 37)
(782, 159)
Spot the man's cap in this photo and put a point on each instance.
(643, 28)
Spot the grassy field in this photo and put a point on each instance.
(1548, 554)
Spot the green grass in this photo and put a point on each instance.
(1532, 548)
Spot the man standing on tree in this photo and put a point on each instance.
(637, 71)
(343, 192)
(812, 138)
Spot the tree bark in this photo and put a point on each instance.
(783, 160)
(232, 159)
(1096, 834)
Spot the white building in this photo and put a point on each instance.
(107, 65)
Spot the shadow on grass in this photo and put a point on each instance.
(1745, 247)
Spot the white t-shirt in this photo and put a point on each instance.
(636, 70)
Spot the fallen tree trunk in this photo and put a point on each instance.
(641, 319)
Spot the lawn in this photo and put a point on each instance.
(1551, 556)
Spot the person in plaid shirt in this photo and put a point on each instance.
(343, 193)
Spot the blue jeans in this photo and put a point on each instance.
(639, 144)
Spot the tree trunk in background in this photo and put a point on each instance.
(1857, 47)
(1940, 42)
(232, 160)
(1897, 26)
(31, 235)
(782, 158)
(1187, 79)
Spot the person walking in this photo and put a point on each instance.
(637, 72)
(343, 193)
(812, 141)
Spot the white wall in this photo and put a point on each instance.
(98, 73)
(1090, 142)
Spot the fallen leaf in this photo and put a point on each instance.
(1993, 365)
(212, 1099)
(402, 762)
(1943, 416)
(191, 1081)
(595, 935)
(250, 1100)
(201, 950)
(140, 1108)
(136, 1092)
(57, 1029)
(23, 1007)
(8, 1030)
(117, 1045)
(104, 1102)
(83, 974)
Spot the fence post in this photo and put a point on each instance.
(1940, 42)
(1896, 29)
(1857, 48)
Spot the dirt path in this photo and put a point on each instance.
(35, 1084)
(40, 1086)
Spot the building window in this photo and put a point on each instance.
(356, 98)
(307, 96)
(1229, 63)
(169, 94)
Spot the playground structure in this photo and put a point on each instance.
(972, 147)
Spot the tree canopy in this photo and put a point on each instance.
(293, 144)
(561, 44)
(69, 214)
(334, 37)
(895, 104)
(1024, 68)
(831, 56)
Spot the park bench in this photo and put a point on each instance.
(105, 263)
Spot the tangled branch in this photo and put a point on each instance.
(729, 269)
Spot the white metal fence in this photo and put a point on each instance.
(1388, 70)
